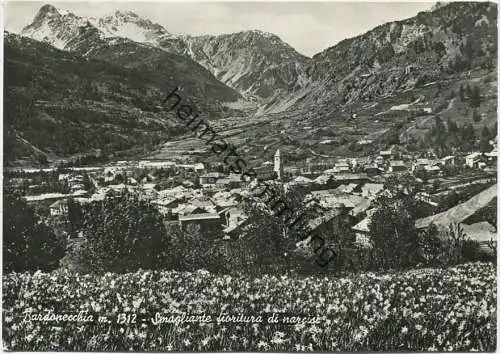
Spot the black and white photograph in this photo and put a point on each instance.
(249, 176)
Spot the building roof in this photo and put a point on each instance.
(320, 220)
(79, 192)
(372, 189)
(204, 216)
(481, 231)
(493, 152)
(473, 155)
(363, 225)
(371, 167)
(350, 176)
(223, 181)
(422, 162)
(212, 175)
(397, 163)
(461, 212)
(224, 201)
(202, 203)
(433, 168)
(45, 196)
(58, 203)
(362, 206)
(324, 193)
(323, 179)
(303, 179)
(446, 158)
(234, 177)
(347, 188)
(186, 209)
(332, 198)
(83, 200)
(165, 201)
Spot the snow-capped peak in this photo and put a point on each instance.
(59, 27)
(54, 26)
(128, 24)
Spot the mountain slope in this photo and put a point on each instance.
(404, 54)
(253, 62)
(58, 104)
(258, 65)
(382, 87)
(94, 38)
(386, 87)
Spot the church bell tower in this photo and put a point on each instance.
(278, 165)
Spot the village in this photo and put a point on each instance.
(212, 198)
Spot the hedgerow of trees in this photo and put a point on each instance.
(28, 243)
(124, 233)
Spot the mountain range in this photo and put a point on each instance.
(119, 65)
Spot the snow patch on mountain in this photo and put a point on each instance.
(130, 25)
(255, 63)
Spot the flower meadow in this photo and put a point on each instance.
(451, 309)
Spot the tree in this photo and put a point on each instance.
(475, 116)
(468, 137)
(471, 49)
(339, 235)
(440, 128)
(124, 233)
(486, 133)
(449, 201)
(270, 236)
(461, 93)
(191, 250)
(75, 215)
(452, 126)
(87, 184)
(484, 143)
(436, 185)
(401, 185)
(431, 248)
(421, 172)
(468, 91)
(475, 98)
(28, 243)
(393, 234)
(264, 240)
(439, 48)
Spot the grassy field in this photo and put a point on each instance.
(427, 309)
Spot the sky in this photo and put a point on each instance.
(309, 27)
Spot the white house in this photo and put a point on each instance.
(472, 160)
(449, 160)
(397, 166)
(60, 207)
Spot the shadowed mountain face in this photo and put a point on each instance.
(58, 103)
(399, 68)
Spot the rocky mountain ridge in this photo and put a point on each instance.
(259, 65)
(402, 55)
(382, 77)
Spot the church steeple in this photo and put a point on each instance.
(278, 164)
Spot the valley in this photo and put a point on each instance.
(356, 97)
(274, 182)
